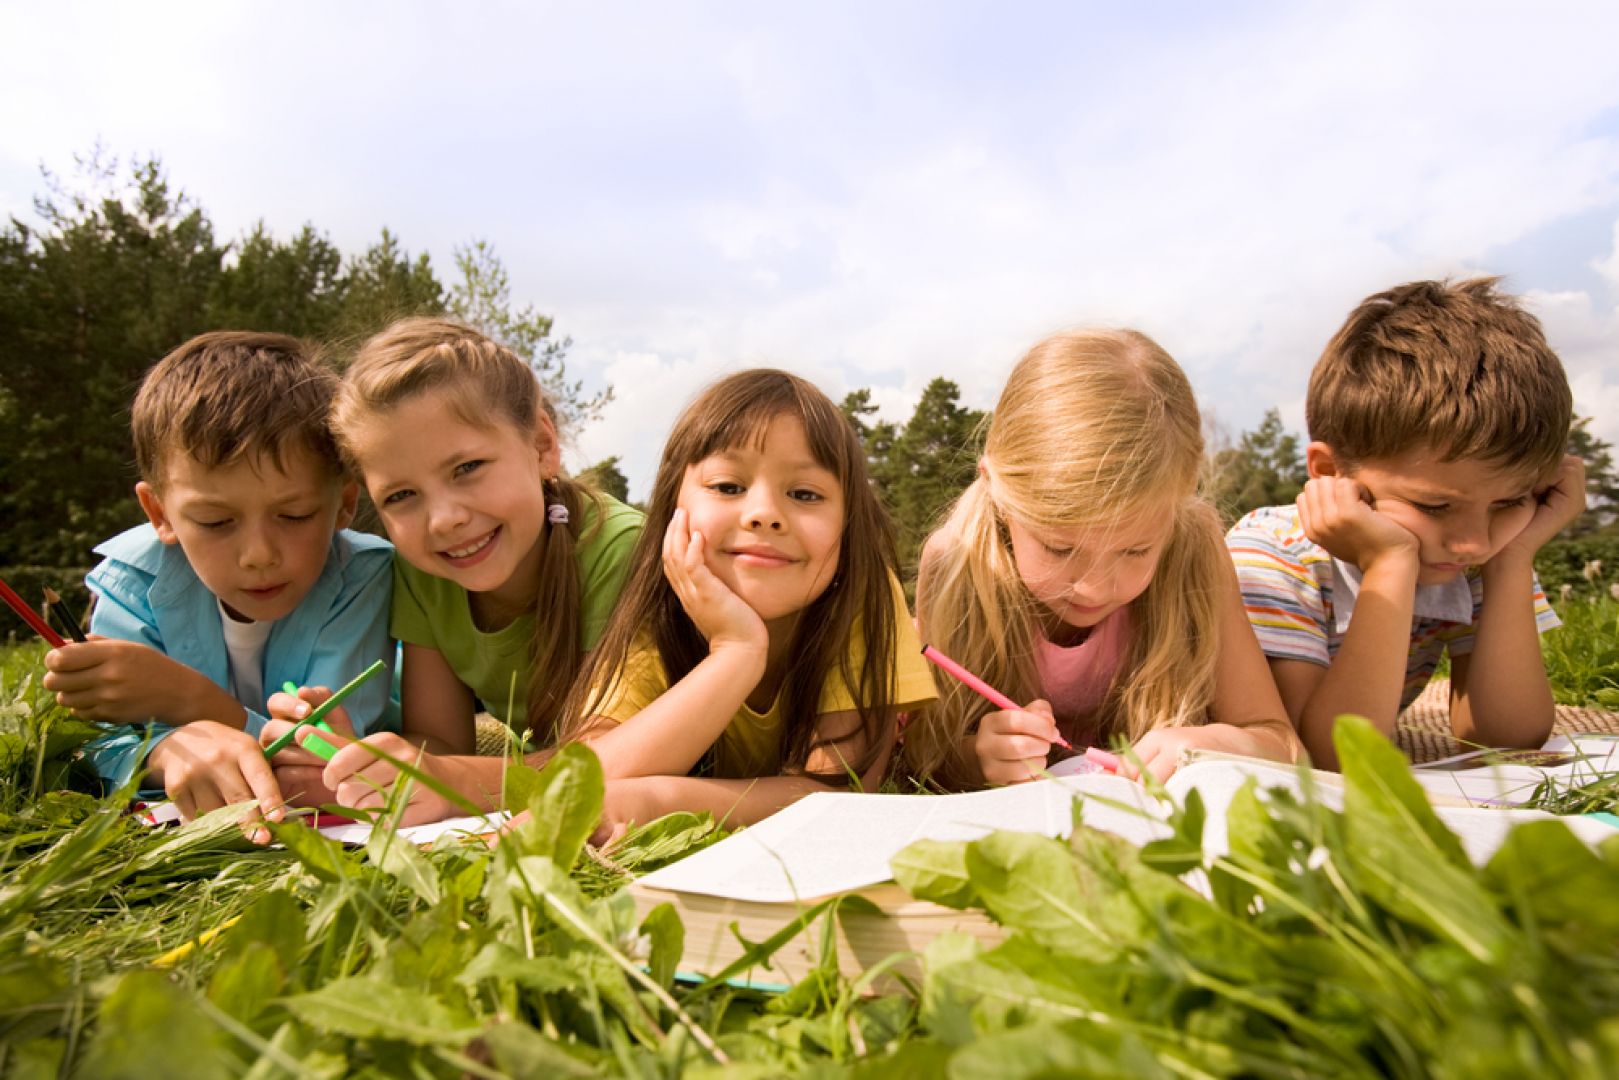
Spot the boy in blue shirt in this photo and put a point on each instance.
(245, 577)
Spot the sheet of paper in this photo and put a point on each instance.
(359, 833)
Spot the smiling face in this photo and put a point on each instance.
(460, 501)
(1082, 575)
(1461, 512)
(256, 534)
(771, 518)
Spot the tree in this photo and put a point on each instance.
(607, 477)
(119, 273)
(930, 463)
(293, 288)
(877, 438)
(1265, 468)
(482, 299)
(385, 284)
(1601, 483)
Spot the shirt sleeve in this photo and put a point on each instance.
(409, 620)
(633, 687)
(913, 677)
(121, 612)
(1281, 595)
(603, 578)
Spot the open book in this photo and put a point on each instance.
(833, 844)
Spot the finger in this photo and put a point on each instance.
(301, 781)
(1022, 748)
(285, 706)
(184, 802)
(345, 763)
(261, 781)
(360, 796)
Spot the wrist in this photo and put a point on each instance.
(1392, 568)
(206, 700)
(1510, 565)
(748, 658)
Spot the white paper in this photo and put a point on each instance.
(359, 832)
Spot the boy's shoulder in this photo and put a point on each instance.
(138, 547)
(1277, 528)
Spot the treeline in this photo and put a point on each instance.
(120, 268)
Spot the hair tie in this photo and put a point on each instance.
(556, 514)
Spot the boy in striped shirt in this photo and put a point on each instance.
(1438, 419)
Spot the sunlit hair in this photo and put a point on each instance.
(1094, 426)
(483, 383)
(230, 396)
(1456, 368)
(735, 412)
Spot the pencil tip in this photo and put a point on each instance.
(52, 596)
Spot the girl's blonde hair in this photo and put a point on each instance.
(484, 383)
(734, 412)
(1094, 426)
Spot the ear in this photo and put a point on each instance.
(152, 503)
(1319, 460)
(348, 502)
(547, 443)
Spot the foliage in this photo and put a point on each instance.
(1582, 656)
(607, 477)
(1601, 481)
(1265, 468)
(123, 268)
(1359, 943)
(919, 469)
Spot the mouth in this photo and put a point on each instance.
(1448, 567)
(767, 557)
(268, 592)
(470, 553)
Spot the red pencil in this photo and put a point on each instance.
(30, 616)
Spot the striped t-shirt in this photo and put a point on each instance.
(1287, 586)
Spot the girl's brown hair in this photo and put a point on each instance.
(736, 412)
(484, 383)
(1094, 426)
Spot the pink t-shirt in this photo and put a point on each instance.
(1075, 679)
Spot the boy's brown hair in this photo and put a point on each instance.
(1459, 368)
(229, 395)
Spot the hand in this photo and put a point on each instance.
(626, 804)
(1337, 513)
(300, 772)
(1160, 749)
(1012, 747)
(360, 779)
(721, 616)
(206, 765)
(125, 682)
(1559, 499)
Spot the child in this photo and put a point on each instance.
(1439, 418)
(762, 649)
(1082, 572)
(244, 578)
(507, 569)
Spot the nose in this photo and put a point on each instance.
(762, 511)
(446, 515)
(258, 550)
(1092, 583)
(1468, 539)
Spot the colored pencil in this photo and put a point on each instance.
(53, 603)
(29, 616)
(320, 711)
(978, 686)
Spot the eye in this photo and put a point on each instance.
(805, 495)
(299, 517)
(725, 487)
(467, 467)
(394, 498)
(1057, 552)
(1432, 509)
(212, 525)
(1137, 553)
(1512, 504)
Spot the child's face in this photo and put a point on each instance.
(1083, 575)
(459, 501)
(771, 519)
(1461, 512)
(256, 535)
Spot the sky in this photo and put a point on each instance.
(875, 195)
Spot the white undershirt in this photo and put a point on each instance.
(244, 645)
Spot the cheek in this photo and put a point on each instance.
(1509, 523)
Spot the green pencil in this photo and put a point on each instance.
(319, 713)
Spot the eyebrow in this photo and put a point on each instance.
(742, 457)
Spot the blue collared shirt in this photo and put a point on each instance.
(147, 592)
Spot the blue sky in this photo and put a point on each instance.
(879, 194)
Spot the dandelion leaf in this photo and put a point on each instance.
(147, 1027)
(368, 1007)
(563, 808)
(936, 870)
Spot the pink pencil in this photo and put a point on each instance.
(978, 686)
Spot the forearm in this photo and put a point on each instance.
(1368, 673)
(731, 802)
(1272, 739)
(1503, 698)
(196, 697)
(672, 734)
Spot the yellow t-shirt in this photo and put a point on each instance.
(751, 743)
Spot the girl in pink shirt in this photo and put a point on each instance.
(1082, 572)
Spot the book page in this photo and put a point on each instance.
(832, 842)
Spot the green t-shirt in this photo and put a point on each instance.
(433, 612)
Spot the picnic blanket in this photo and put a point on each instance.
(1423, 730)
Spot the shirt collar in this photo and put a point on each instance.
(1450, 601)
